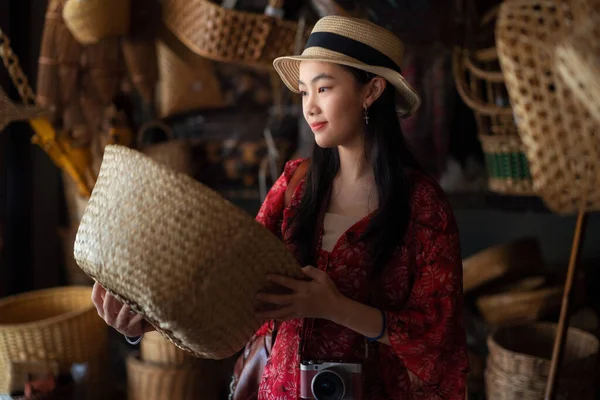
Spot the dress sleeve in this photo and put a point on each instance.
(428, 334)
(270, 213)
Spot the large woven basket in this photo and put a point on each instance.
(149, 381)
(58, 324)
(504, 261)
(519, 362)
(178, 253)
(223, 34)
(562, 140)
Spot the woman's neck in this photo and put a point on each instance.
(354, 165)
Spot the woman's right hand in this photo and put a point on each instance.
(118, 315)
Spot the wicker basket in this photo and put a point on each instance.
(518, 258)
(149, 381)
(228, 35)
(562, 140)
(178, 253)
(93, 20)
(578, 63)
(519, 362)
(156, 349)
(59, 324)
(520, 306)
(187, 81)
(480, 84)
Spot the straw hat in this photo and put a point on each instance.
(355, 43)
(178, 253)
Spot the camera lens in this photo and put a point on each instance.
(328, 386)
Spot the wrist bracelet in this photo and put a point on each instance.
(382, 329)
(134, 341)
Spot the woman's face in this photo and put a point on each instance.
(332, 103)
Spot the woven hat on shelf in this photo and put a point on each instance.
(178, 253)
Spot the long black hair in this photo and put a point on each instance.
(390, 158)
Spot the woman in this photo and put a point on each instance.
(377, 236)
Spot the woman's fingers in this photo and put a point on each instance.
(98, 298)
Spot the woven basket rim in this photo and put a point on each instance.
(45, 292)
(491, 341)
(512, 297)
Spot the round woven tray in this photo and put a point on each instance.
(149, 381)
(561, 138)
(527, 350)
(178, 253)
(518, 258)
(520, 306)
(59, 324)
(156, 349)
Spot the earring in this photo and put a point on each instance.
(366, 116)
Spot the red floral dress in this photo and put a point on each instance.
(420, 292)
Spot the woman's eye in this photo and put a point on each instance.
(303, 93)
(323, 89)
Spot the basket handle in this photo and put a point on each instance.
(464, 92)
(154, 124)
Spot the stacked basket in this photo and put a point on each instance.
(163, 371)
(519, 363)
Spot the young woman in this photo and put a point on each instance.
(376, 235)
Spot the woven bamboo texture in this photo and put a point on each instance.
(178, 253)
(562, 140)
(154, 348)
(149, 381)
(520, 306)
(519, 361)
(228, 35)
(59, 324)
(578, 57)
(174, 153)
(93, 20)
(507, 165)
(187, 81)
(518, 258)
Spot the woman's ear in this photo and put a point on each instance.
(374, 89)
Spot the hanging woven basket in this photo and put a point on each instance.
(561, 138)
(223, 34)
(179, 254)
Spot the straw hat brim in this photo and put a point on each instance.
(288, 68)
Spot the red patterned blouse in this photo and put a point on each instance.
(421, 294)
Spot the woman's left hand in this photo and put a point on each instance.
(317, 298)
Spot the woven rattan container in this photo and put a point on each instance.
(480, 83)
(561, 138)
(154, 348)
(504, 261)
(58, 324)
(178, 253)
(519, 306)
(150, 381)
(519, 362)
(223, 34)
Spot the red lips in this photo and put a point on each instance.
(318, 126)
